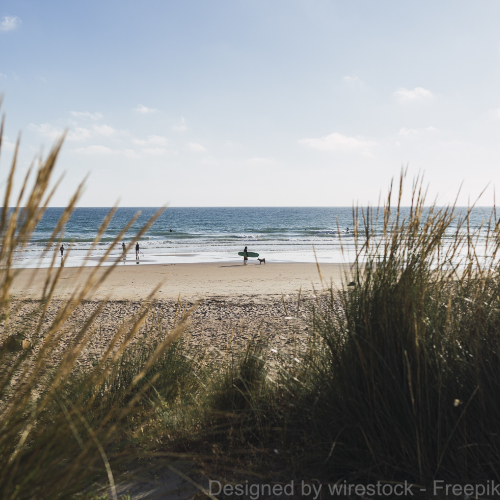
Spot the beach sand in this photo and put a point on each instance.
(232, 301)
(191, 281)
(234, 304)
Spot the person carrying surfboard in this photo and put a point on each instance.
(246, 254)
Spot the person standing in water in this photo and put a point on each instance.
(62, 251)
(137, 250)
(123, 247)
(245, 257)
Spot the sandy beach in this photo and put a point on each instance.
(190, 281)
(233, 301)
(234, 304)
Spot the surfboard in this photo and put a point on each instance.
(249, 254)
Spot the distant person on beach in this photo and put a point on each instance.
(62, 251)
(123, 247)
(245, 257)
(137, 250)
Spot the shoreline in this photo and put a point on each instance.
(190, 281)
(148, 257)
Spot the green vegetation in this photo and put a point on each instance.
(399, 382)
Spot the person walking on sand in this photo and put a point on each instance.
(137, 251)
(62, 251)
(245, 257)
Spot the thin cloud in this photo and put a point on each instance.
(415, 131)
(145, 110)
(337, 142)
(96, 150)
(50, 132)
(353, 80)
(46, 130)
(194, 146)
(408, 131)
(7, 145)
(9, 23)
(417, 94)
(99, 150)
(105, 130)
(75, 133)
(86, 114)
(151, 140)
(78, 134)
(180, 127)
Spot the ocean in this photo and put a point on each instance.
(192, 235)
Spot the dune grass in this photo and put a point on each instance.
(405, 386)
(63, 424)
(399, 382)
(402, 376)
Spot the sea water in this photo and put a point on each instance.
(193, 235)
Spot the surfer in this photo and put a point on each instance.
(62, 251)
(137, 251)
(245, 257)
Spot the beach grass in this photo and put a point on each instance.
(64, 423)
(399, 381)
(401, 377)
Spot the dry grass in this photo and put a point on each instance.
(61, 426)
(402, 376)
(400, 380)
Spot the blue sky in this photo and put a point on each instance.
(255, 103)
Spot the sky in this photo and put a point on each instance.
(254, 103)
